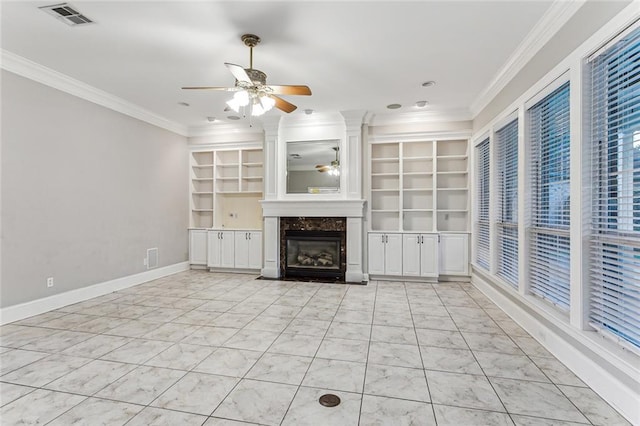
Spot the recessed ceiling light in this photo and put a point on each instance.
(233, 117)
(394, 106)
(211, 119)
(429, 83)
(308, 111)
(421, 104)
(183, 104)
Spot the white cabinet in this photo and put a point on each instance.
(454, 254)
(248, 249)
(198, 246)
(234, 249)
(221, 249)
(385, 254)
(420, 255)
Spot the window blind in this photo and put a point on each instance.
(507, 226)
(549, 267)
(482, 217)
(615, 219)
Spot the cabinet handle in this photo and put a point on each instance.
(418, 239)
(386, 238)
(221, 236)
(249, 235)
(382, 236)
(421, 239)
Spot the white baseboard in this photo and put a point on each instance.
(603, 366)
(39, 306)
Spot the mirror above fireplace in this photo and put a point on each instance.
(313, 167)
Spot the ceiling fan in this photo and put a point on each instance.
(332, 168)
(251, 88)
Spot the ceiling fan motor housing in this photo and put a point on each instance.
(256, 76)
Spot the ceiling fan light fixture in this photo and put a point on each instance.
(241, 97)
(233, 104)
(267, 102)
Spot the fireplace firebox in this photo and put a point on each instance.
(313, 254)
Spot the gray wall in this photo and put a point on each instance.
(85, 191)
(587, 20)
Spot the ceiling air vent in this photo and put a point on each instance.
(67, 14)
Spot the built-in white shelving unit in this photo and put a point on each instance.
(419, 186)
(419, 189)
(202, 189)
(224, 175)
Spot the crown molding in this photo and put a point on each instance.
(41, 74)
(553, 19)
(416, 117)
(419, 136)
(226, 129)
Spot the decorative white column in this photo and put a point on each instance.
(354, 272)
(353, 121)
(355, 230)
(271, 266)
(271, 239)
(270, 153)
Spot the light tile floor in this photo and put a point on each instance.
(200, 348)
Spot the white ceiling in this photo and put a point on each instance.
(360, 55)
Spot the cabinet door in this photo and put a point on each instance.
(454, 254)
(197, 247)
(429, 255)
(227, 249)
(242, 249)
(411, 255)
(393, 254)
(376, 253)
(213, 245)
(255, 250)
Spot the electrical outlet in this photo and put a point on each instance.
(50, 282)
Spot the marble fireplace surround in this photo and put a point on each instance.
(338, 224)
(319, 213)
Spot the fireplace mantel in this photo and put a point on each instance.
(313, 208)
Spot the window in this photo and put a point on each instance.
(549, 267)
(482, 217)
(615, 220)
(507, 227)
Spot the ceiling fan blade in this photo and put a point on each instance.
(283, 105)
(226, 89)
(290, 90)
(239, 73)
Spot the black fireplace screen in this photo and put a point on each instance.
(316, 252)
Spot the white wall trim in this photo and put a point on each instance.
(36, 72)
(554, 18)
(39, 306)
(413, 115)
(381, 137)
(591, 357)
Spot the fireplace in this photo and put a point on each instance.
(313, 248)
(313, 254)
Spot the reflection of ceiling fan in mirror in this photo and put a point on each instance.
(332, 168)
(251, 89)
